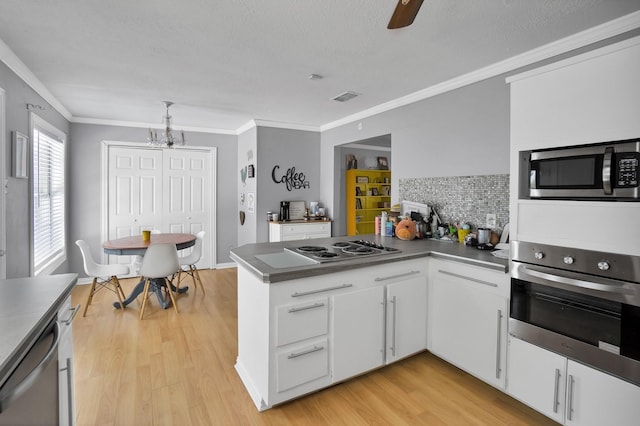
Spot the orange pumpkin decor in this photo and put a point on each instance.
(406, 229)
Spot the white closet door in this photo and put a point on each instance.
(135, 193)
(187, 195)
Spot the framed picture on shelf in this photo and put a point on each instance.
(374, 192)
(362, 179)
(383, 164)
(358, 204)
(386, 191)
(358, 191)
(352, 162)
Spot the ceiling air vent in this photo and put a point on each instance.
(344, 97)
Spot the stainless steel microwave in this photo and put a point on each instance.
(600, 171)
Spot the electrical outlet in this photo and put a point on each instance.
(491, 220)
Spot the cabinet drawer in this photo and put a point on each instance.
(313, 228)
(302, 364)
(302, 321)
(305, 236)
(488, 280)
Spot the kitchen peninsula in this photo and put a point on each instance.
(304, 325)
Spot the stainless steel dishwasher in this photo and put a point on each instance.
(29, 395)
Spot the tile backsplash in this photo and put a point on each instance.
(462, 199)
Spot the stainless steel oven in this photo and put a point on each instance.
(607, 171)
(580, 303)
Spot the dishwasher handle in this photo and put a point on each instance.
(9, 395)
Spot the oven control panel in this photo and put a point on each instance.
(610, 265)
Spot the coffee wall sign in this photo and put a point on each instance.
(291, 178)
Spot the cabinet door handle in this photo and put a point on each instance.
(308, 351)
(393, 326)
(390, 277)
(499, 328)
(74, 311)
(68, 368)
(322, 290)
(570, 398)
(555, 391)
(475, 280)
(304, 308)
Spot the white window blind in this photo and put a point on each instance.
(48, 170)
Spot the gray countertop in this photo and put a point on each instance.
(26, 306)
(246, 257)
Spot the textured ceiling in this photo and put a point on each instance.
(226, 62)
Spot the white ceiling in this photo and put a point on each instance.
(225, 63)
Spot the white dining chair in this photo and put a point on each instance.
(104, 276)
(136, 261)
(188, 263)
(159, 262)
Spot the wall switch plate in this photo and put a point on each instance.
(491, 220)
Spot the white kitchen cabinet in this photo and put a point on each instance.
(468, 318)
(302, 320)
(301, 363)
(383, 323)
(290, 231)
(358, 332)
(537, 377)
(569, 392)
(302, 335)
(66, 410)
(406, 313)
(567, 103)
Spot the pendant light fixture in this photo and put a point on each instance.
(166, 138)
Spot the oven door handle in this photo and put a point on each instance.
(10, 395)
(554, 278)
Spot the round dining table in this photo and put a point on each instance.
(136, 246)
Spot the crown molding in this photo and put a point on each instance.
(584, 38)
(14, 63)
(120, 123)
(275, 124)
(283, 125)
(624, 44)
(246, 126)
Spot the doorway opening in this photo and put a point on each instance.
(366, 153)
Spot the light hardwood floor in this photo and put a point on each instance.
(177, 369)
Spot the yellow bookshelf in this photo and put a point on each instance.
(368, 194)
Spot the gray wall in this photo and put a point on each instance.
(85, 188)
(264, 148)
(247, 146)
(285, 148)
(459, 133)
(18, 95)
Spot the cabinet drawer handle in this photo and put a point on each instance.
(322, 290)
(304, 308)
(475, 280)
(308, 351)
(555, 392)
(390, 277)
(74, 311)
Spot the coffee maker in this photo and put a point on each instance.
(284, 210)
